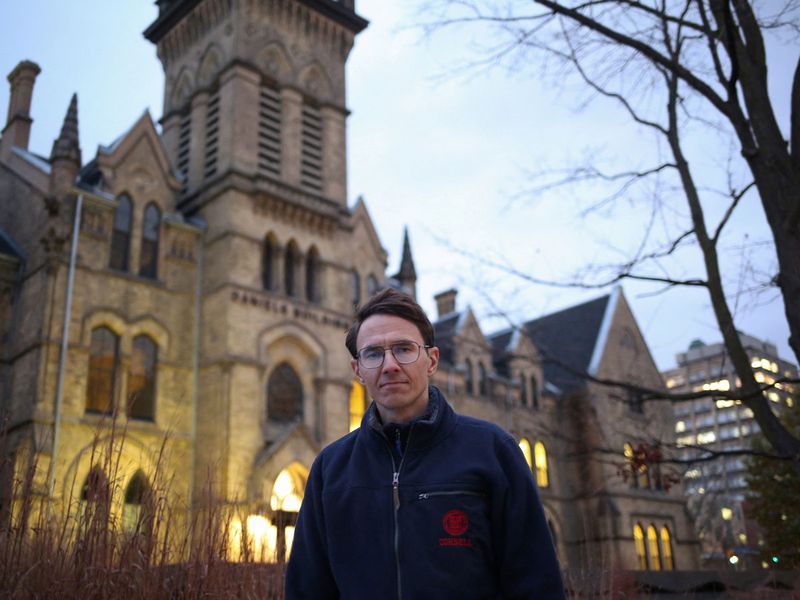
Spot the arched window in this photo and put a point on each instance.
(652, 546)
(136, 499)
(666, 549)
(355, 286)
(284, 395)
(469, 378)
(525, 446)
(103, 367)
(638, 541)
(142, 379)
(372, 285)
(540, 458)
(268, 256)
(643, 476)
(151, 227)
(121, 235)
(484, 380)
(95, 498)
(534, 392)
(523, 390)
(627, 450)
(289, 266)
(358, 405)
(312, 275)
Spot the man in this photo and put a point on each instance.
(419, 502)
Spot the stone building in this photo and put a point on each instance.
(193, 286)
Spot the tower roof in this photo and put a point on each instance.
(172, 11)
(407, 271)
(67, 145)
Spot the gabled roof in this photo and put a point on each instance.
(570, 341)
(501, 343)
(359, 213)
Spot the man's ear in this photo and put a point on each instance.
(356, 371)
(433, 357)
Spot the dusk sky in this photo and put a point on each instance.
(449, 153)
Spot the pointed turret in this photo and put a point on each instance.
(407, 275)
(65, 158)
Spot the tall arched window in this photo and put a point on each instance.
(103, 367)
(540, 458)
(136, 500)
(289, 266)
(523, 390)
(142, 379)
(469, 378)
(484, 380)
(666, 549)
(525, 446)
(95, 501)
(638, 542)
(268, 256)
(534, 392)
(627, 450)
(312, 275)
(284, 395)
(151, 227)
(121, 235)
(355, 287)
(652, 546)
(358, 405)
(643, 476)
(372, 285)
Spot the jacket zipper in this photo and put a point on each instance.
(396, 499)
(426, 495)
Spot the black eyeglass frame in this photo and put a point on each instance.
(391, 348)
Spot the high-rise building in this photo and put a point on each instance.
(194, 283)
(717, 488)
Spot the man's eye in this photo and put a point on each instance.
(403, 349)
(371, 353)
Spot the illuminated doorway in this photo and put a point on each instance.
(287, 495)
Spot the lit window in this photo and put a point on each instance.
(774, 397)
(726, 513)
(756, 362)
(680, 426)
(706, 437)
(540, 459)
(627, 450)
(643, 476)
(760, 377)
(103, 366)
(142, 379)
(641, 552)
(666, 549)
(148, 256)
(725, 403)
(358, 405)
(525, 446)
(652, 544)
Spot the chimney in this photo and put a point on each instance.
(17, 131)
(446, 302)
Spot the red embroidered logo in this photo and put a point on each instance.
(455, 522)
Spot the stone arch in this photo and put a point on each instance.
(315, 82)
(275, 62)
(102, 317)
(149, 325)
(182, 90)
(209, 65)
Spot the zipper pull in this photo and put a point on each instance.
(422, 497)
(396, 489)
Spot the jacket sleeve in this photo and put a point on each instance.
(308, 574)
(527, 563)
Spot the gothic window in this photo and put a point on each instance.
(148, 259)
(643, 476)
(269, 132)
(666, 549)
(142, 379)
(311, 149)
(312, 275)
(95, 500)
(355, 283)
(289, 266)
(523, 390)
(469, 377)
(525, 446)
(136, 499)
(284, 395)
(103, 367)
(358, 405)
(534, 392)
(483, 382)
(372, 285)
(121, 235)
(652, 545)
(268, 257)
(641, 551)
(540, 460)
(212, 136)
(630, 465)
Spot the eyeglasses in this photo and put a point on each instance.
(404, 353)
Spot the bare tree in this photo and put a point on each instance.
(670, 65)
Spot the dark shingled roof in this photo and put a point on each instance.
(444, 330)
(499, 342)
(566, 341)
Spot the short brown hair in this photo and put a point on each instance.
(390, 302)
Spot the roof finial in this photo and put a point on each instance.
(67, 145)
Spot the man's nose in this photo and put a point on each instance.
(389, 361)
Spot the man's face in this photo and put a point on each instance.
(400, 391)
